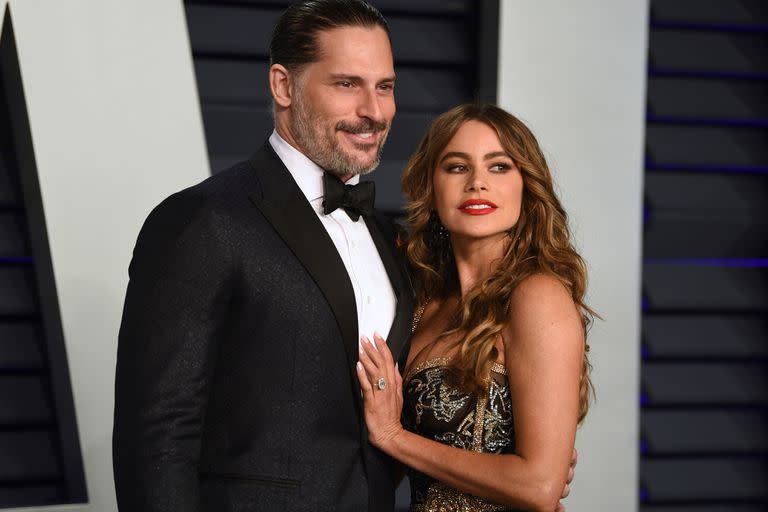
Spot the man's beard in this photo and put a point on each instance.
(324, 149)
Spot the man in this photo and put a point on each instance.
(236, 386)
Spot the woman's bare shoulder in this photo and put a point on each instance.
(540, 291)
(542, 301)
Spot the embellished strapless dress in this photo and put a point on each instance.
(435, 409)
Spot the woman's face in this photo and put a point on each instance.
(478, 188)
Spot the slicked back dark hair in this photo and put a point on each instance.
(294, 40)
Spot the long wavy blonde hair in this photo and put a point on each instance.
(540, 242)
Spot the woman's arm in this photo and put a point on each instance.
(543, 350)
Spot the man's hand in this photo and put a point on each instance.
(567, 488)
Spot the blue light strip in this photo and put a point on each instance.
(742, 123)
(720, 75)
(719, 27)
(711, 262)
(17, 260)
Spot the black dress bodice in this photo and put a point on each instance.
(438, 410)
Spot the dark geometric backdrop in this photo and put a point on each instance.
(445, 53)
(40, 460)
(704, 417)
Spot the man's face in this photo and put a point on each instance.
(343, 103)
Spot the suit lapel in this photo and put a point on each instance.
(287, 209)
(400, 330)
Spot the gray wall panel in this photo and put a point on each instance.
(704, 383)
(707, 146)
(17, 284)
(737, 12)
(30, 495)
(705, 288)
(707, 98)
(703, 478)
(20, 346)
(30, 455)
(721, 193)
(686, 50)
(712, 431)
(24, 399)
(12, 239)
(705, 336)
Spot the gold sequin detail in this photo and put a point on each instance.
(442, 498)
(477, 434)
(428, 363)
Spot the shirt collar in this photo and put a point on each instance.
(306, 173)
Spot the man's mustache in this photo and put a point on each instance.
(367, 126)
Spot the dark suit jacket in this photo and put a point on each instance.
(236, 388)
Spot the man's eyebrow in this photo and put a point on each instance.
(344, 76)
(356, 78)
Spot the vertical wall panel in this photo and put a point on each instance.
(575, 72)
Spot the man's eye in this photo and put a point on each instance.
(345, 83)
(387, 87)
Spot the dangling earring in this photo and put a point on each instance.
(437, 231)
(440, 238)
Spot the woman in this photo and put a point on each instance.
(497, 376)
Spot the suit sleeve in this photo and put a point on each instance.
(175, 311)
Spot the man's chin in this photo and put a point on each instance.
(364, 160)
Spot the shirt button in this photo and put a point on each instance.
(353, 243)
(370, 299)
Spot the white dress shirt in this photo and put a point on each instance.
(374, 296)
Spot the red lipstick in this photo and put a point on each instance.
(477, 207)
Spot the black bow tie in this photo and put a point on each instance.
(356, 200)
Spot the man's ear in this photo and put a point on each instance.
(280, 85)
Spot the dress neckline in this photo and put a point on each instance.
(496, 367)
(432, 362)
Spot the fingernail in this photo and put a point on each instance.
(359, 365)
(377, 335)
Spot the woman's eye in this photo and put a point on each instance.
(456, 168)
(500, 167)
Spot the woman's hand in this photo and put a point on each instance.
(382, 387)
